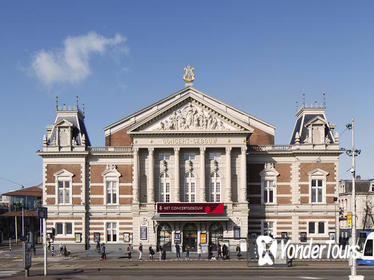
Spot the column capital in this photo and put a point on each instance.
(151, 149)
(228, 149)
(244, 149)
(177, 149)
(135, 149)
(202, 149)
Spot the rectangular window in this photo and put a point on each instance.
(111, 192)
(269, 189)
(317, 191)
(68, 228)
(269, 228)
(321, 227)
(63, 192)
(59, 228)
(316, 228)
(311, 228)
(111, 232)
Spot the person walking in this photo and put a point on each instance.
(210, 248)
(151, 253)
(199, 251)
(187, 252)
(140, 251)
(238, 251)
(178, 250)
(103, 252)
(159, 248)
(224, 252)
(129, 251)
(164, 253)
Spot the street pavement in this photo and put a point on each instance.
(87, 265)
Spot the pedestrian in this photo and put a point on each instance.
(210, 250)
(103, 252)
(163, 253)
(187, 252)
(61, 249)
(199, 251)
(219, 251)
(160, 252)
(52, 249)
(178, 250)
(151, 252)
(129, 252)
(224, 252)
(140, 251)
(98, 248)
(238, 251)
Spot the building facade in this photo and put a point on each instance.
(185, 151)
(364, 206)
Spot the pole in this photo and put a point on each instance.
(23, 241)
(353, 268)
(15, 228)
(45, 245)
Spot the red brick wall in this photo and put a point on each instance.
(119, 138)
(259, 137)
(73, 168)
(307, 167)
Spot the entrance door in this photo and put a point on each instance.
(190, 237)
(164, 237)
(215, 234)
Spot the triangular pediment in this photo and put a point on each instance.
(64, 123)
(190, 114)
(316, 121)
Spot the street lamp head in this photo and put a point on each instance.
(349, 126)
(348, 152)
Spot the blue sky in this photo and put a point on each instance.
(258, 56)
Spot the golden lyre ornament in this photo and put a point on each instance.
(188, 76)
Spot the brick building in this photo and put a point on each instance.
(190, 149)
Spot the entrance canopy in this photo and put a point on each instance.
(205, 218)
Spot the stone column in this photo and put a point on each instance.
(135, 187)
(150, 183)
(177, 179)
(243, 176)
(228, 174)
(202, 174)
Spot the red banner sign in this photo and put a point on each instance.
(190, 208)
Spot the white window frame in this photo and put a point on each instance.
(274, 227)
(317, 174)
(266, 188)
(111, 174)
(269, 174)
(316, 226)
(189, 187)
(213, 181)
(164, 191)
(64, 176)
(64, 228)
(106, 231)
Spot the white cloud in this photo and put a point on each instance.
(71, 64)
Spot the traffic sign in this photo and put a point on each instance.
(349, 219)
(42, 212)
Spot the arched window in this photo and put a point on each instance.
(189, 187)
(215, 187)
(164, 187)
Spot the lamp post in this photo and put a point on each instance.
(353, 153)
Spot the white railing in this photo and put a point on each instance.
(104, 149)
(265, 148)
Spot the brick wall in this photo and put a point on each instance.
(259, 137)
(119, 138)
